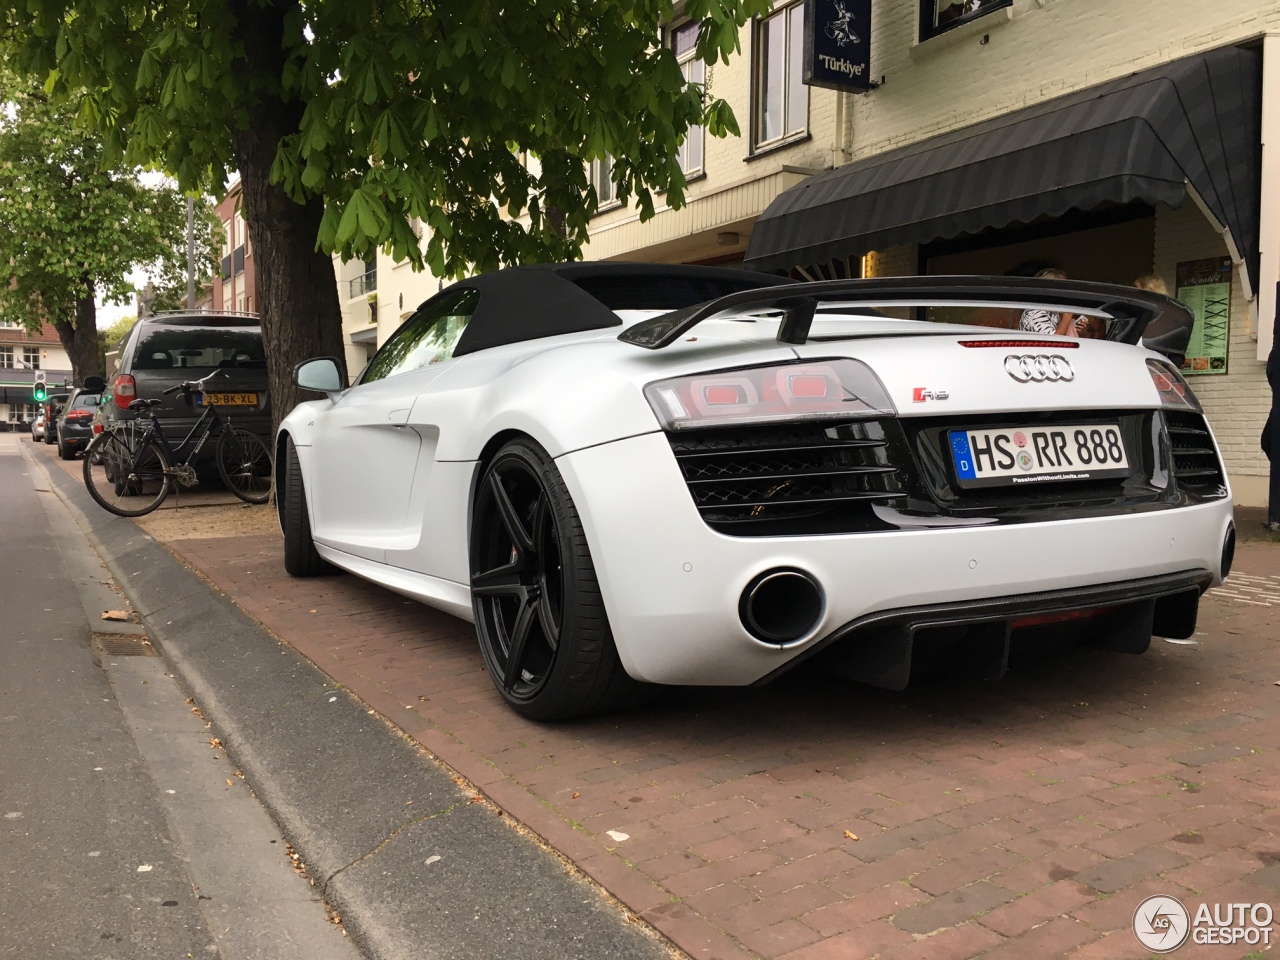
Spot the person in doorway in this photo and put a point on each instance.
(1050, 321)
(1152, 283)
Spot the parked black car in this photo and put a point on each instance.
(164, 350)
(75, 423)
(53, 404)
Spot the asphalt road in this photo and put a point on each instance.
(123, 832)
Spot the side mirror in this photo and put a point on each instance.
(94, 384)
(323, 375)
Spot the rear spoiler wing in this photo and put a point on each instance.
(1160, 322)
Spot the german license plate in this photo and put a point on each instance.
(1014, 456)
(229, 399)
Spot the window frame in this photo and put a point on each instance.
(6, 358)
(690, 58)
(757, 141)
(928, 16)
(594, 169)
(31, 357)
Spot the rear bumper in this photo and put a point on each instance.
(879, 648)
(672, 585)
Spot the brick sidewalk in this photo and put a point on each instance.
(1026, 818)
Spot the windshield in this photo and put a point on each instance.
(199, 348)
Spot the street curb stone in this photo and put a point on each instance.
(413, 864)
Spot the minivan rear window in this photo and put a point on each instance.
(199, 348)
(85, 401)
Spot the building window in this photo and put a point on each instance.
(228, 245)
(684, 41)
(781, 108)
(31, 357)
(602, 180)
(939, 16)
(6, 358)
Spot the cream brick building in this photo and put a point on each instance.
(1004, 56)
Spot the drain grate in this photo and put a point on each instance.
(123, 645)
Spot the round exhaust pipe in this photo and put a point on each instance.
(781, 605)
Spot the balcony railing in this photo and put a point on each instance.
(362, 285)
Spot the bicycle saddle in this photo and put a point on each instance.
(140, 404)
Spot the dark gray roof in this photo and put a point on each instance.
(545, 300)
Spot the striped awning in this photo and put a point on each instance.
(1189, 124)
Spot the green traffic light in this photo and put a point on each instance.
(40, 395)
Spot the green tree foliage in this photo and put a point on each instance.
(73, 226)
(365, 114)
(109, 337)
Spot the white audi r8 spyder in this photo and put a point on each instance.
(628, 474)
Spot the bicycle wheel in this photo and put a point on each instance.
(244, 463)
(127, 478)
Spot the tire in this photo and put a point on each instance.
(140, 478)
(300, 556)
(539, 615)
(244, 464)
(50, 436)
(64, 453)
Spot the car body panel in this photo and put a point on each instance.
(671, 584)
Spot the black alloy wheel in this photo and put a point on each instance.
(539, 614)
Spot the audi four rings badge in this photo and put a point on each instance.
(1039, 368)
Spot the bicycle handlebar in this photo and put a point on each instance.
(186, 386)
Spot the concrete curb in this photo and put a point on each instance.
(414, 864)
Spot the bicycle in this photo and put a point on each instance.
(130, 472)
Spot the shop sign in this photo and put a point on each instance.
(1205, 287)
(837, 44)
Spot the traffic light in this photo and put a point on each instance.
(40, 392)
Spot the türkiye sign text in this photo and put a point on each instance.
(837, 44)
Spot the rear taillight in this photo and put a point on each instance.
(79, 415)
(809, 390)
(1173, 390)
(124, 387)
(97, 428)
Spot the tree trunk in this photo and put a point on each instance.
(80, 340)
(297, 289)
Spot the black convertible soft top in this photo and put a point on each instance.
(544, 300)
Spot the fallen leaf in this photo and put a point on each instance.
(115, 614)
(476, 799)
(239, 774)
(575, 795)
(850, 835)
(230, 782)
(310, 611)
(424, 699)
(215, 743)
(191, 700)
(1277, 683)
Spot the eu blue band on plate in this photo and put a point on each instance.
(962, 455)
